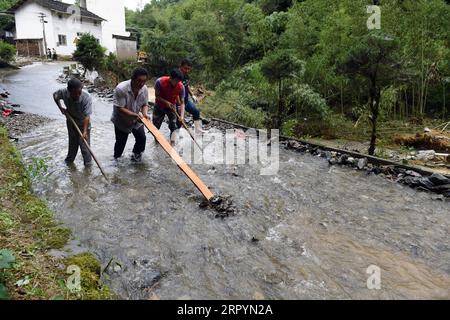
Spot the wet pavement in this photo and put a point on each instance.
(309, 232)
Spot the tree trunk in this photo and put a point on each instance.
(444, 107)
(375, 95)
(280, 106)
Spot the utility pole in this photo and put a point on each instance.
(42, 17)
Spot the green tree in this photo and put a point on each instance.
(374, 63)
(278, 67)
(7, 51)
(89, 52)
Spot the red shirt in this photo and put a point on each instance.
(167, 92)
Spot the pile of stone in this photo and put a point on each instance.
(103, 92)
(222, 204)
(436, 183)
(16, 121)
(93, 82)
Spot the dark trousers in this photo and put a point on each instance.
(122, 138)
(159, 115)
(76, 142)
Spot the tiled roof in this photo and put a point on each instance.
(58, 7)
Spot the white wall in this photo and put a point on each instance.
(28, 26)
(70, 28)
(114, 12)
(126, 49)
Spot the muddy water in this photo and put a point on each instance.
(315, 229)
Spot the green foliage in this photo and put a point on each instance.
(306, 59)
(281, 65)
(7, 259)
(91, 287)
(7, 51)
(89, 52)
(37, 168)
(120, 69)
(6, 19)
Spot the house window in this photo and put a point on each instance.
(62, 40)
(95, 23)
(79, 34)
(60, 16)
(81, 20)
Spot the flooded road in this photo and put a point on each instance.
(309, 232)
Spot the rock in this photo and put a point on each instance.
(438, 179)
(437, 197)
(333, 161)
(413, 174)
(342, 159)
(442, 189)
(362, 163)
(292, 144)
(376, 170)
(426, 155)
(222, 204)
(387, 170)
(351, 161)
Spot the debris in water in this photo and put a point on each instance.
(222, 204)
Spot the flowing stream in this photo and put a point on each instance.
(309, 232)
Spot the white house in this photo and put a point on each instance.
(52, 24)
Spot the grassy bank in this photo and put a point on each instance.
(28, 231)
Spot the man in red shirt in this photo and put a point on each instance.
(169, 93)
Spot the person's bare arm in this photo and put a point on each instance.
(86, 123)
(190, 91)
(194, 97)
(182, 107)
(145, 111)
(58, 103)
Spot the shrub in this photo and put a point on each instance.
(7, 51)
(89, 52)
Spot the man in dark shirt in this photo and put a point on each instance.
(185, 68)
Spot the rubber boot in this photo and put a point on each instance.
(173, 137)
(198, 127)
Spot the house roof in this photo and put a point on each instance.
(58, 7)
(116, 36)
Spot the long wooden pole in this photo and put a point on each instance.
(177, 158)
(87, 145)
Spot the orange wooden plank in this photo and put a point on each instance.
(179, 161)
